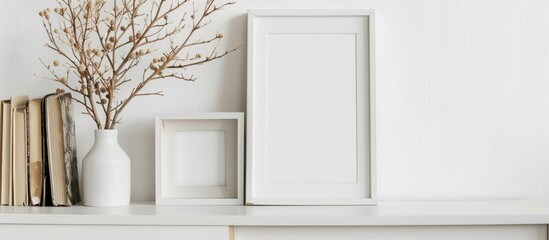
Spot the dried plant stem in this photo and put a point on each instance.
(101, 45)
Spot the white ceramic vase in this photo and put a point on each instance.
(106, 172)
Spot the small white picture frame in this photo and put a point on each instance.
(311, 108)
(199, 159)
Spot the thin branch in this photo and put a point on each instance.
(102, 48)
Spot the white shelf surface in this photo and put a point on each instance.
(385, 214)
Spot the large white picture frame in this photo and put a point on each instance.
(311, 108)
(199, 159)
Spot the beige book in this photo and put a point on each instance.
(1, 118)
(55, 149)
(6, 152)
(16, 102)
(35, 158)
(69, 139)
(20, 185)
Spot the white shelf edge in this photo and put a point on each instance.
(385, 214)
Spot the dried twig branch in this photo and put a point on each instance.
(103, 42)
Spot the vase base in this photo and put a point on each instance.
(105, 205)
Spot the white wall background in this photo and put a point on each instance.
(462, 106)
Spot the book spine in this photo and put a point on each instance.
(46, 194)
(1, 144)
(27, 140)
(71, 172)
(6, 141)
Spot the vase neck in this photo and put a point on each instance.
(106, 136)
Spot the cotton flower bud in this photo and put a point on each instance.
(82, 68)
(111, 22)
(112, 39)
(149, 51)
(198, 55)
(138, 35)
(56, 63)
(155, 60)
(131, 38)
(59, 91)
(97, 64)
(123, 28)
(96, 85)
(100, 54)
(47, 16)
(108, 95)
(133, 55)
(116, 9)
(163, 58)
(56, 31)
(142, 52)
(102, 89)
(153, 67)
(63, 80)
(112, 28)
(72, 41)
(103, 101)
(61, 11)
(108, 46)
(41, 14)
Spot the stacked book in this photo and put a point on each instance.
(38, 152)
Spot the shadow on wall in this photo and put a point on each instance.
(234, 69)
(137, 139)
